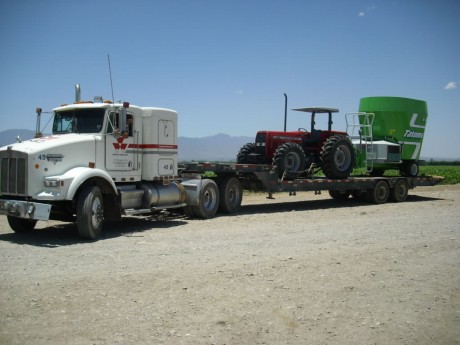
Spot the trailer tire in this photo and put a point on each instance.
(208, 202)
(379, 194)
(400, 191)
(90, 213)
(340, 194)
(337, 157)
(289, 158)
(230, 195)
(360, 194)
(21, 225)
(242, 157)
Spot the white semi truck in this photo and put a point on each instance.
(106, 160)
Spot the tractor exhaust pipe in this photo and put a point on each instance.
(77, 93)
(285, 111)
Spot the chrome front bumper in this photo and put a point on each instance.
(25, 209)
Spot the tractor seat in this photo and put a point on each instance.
(314, 138)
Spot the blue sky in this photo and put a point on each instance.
(225, 65)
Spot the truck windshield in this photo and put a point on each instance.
(78, 121)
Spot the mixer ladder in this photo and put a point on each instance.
(359, 126)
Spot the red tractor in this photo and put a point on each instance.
(298, 153)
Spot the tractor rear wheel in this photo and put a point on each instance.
(289, 158)
(242, 157)
(337, 157)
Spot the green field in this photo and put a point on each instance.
(451, 173)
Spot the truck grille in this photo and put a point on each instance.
(13, 172)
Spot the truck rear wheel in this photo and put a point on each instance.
(230, 195)
(208, 200)
(289, 158)
(90, 213)
(400, 191)
(21, 225)
(337, 157)
(379, 194)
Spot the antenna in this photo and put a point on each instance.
(111, 84)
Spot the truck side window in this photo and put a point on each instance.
(129, 124)
(113, 122)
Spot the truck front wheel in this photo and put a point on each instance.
(21, 225)
(90, 213)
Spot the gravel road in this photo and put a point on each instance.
(295, 270)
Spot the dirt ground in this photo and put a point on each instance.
(295, 270)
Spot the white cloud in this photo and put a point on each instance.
(368, 9)
(451, 85)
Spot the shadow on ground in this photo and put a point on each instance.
(64, 234)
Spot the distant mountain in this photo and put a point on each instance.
(9, 136)
(220, 147)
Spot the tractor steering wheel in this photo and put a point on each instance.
(302, 129)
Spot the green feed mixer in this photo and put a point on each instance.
(387, 133)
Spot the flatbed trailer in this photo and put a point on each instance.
(233, 178)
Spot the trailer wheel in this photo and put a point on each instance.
(21, 225)
(230, 195)
(360, 194)
(242, 157)
(208, 201)
(289, 157)
(340, 194)
(379, 194)
(90, 213)
(337, 157)
(400, 191)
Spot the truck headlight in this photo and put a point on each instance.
(52, 182)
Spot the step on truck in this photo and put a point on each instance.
(106, 160)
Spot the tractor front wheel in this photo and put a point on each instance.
(242, 157)
(337, 157)
(289, 158)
